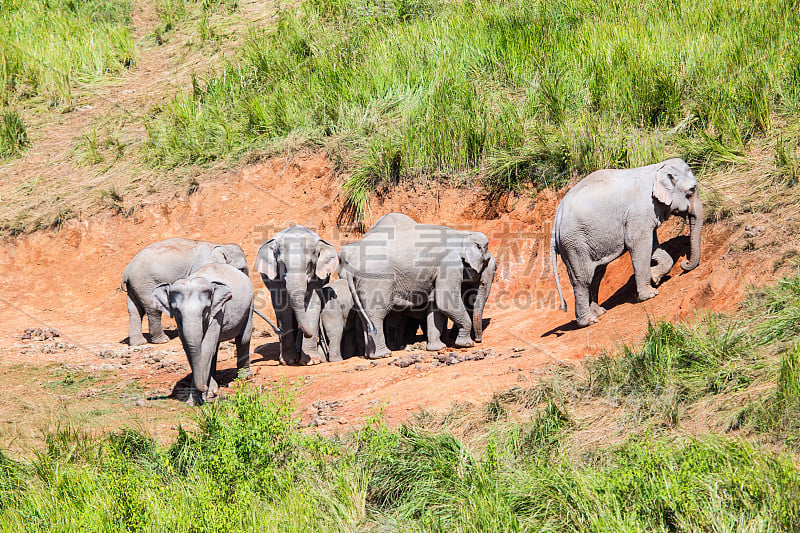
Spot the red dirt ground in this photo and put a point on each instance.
(69, 280)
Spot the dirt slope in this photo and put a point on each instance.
(69, 280)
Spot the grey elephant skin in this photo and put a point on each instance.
(613, 211)
(400, 264)
(294, 265)
(164, 262)
(341, 328)
(213, 305)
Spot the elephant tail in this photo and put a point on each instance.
(351, 284)
(278, 331)
(554, 261)
(124, 283)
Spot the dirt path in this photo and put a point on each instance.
(69, 280)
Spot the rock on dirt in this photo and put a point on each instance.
(322, 412)
(408, 360)
(47, 347)
(39, 334)
(88, 393)
(416, 346)
(453, 358)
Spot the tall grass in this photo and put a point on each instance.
(49, 46)
(522, 91)
(676, 365)
(13, 134)
(248, 467)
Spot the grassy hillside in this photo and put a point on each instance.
(521, 462)
(519, 91)
(47, 48)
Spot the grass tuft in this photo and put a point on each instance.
(13, 134)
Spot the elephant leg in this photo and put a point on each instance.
(376, 344)
(641, 250)
(309, 345)
(661, 262)
(594, 291)
(334, 329)
(243, 348)
(135, 316)
(448, 299)
(157, 335)
(393, 325)
(289, 354)
(581, 272)
(436, 323)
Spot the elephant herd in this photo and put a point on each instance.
(399, 276)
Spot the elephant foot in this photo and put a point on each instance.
(293, 361)
(194, 399)
(379, 354)
(137, 341)
(213, 388)
(598, 310)
(657, 278)
(334, 358)
(159, 339)
(435, 346)
(464, 342)
(586, 321)
(647, 293)
(310, 361)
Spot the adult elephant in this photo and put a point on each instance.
(294, 265)
(611, 211)
(400, 264)
(165, 262)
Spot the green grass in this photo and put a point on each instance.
(248, 467)
(13, 134)
(49, 47)
(678, 366)
(516, 91)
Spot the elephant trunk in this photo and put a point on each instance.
(480, 298)
(695, 229)
(192, 337)
(296, 286)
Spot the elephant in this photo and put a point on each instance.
(213, 305)
(340, 325)
(611, 211)
(164, 262)
(294, 265)
(400, 264)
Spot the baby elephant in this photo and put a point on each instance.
(215, 304)
(164, 262)
(340, 323)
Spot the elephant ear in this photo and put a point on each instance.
(327, 259)
(161, 299)
(472, 254)
(664, 185)
(267, 260)
(222, 293)
(218, 255)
